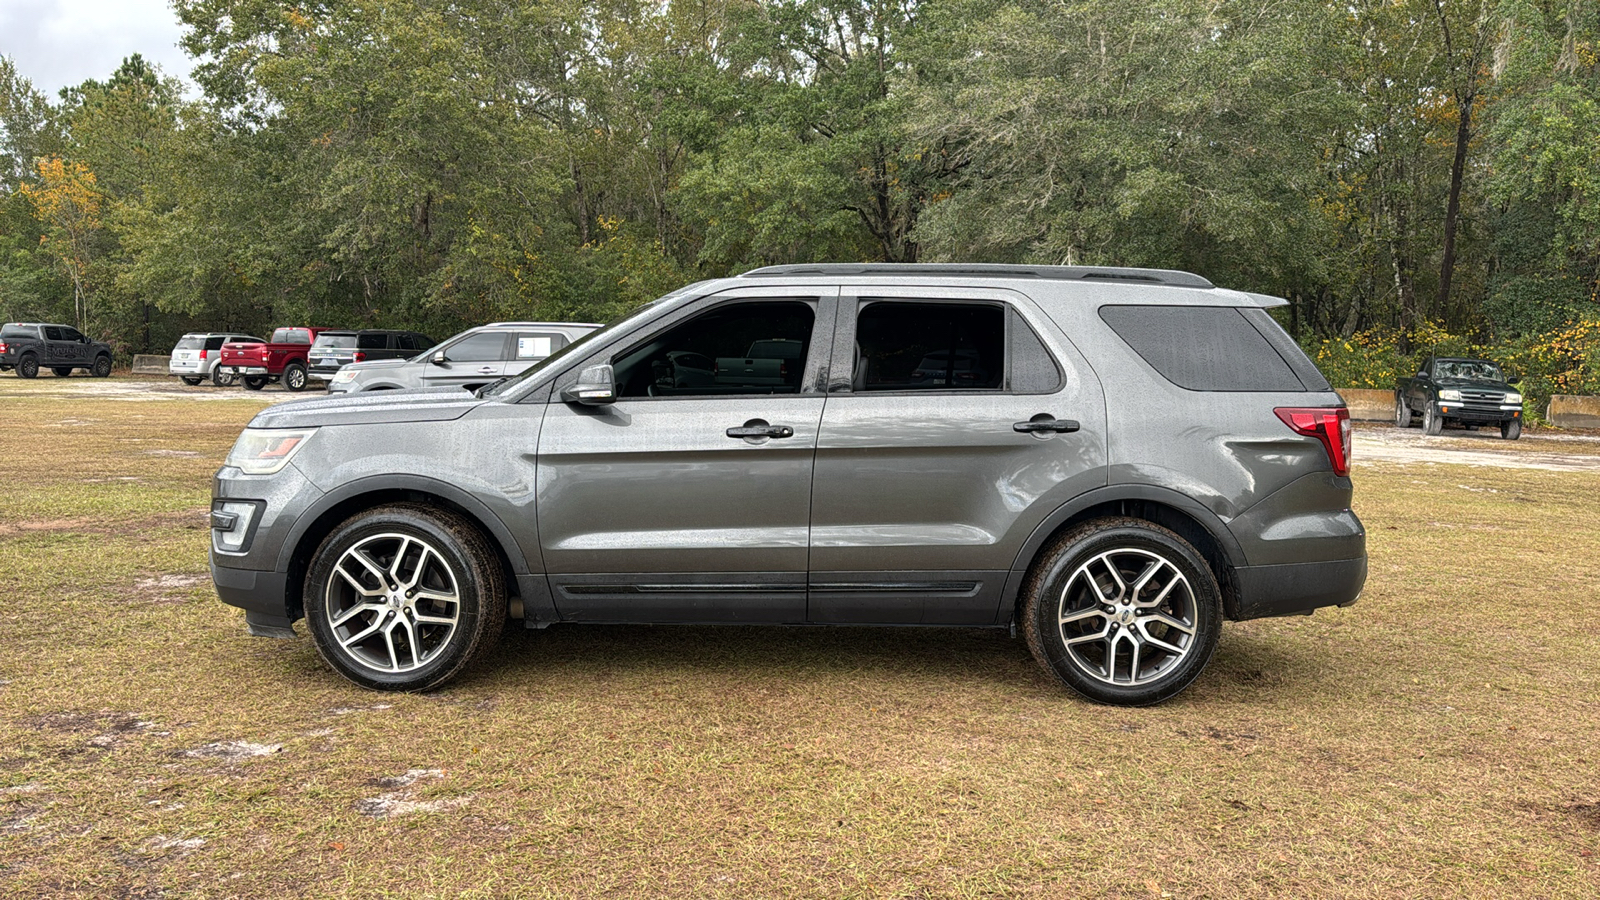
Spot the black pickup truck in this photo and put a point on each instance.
(28, 346)
(1469, 392)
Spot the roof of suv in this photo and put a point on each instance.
(538, 325)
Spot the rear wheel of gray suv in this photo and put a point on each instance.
(1122, 611)
(403, 597)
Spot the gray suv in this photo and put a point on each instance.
(1113, 460)
(470, 360)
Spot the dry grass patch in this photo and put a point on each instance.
(1435, 740)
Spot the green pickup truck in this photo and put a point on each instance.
(1460, 391)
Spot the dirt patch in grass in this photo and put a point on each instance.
(1436, 739)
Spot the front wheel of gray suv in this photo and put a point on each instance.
(1122, 611)
(404, 597)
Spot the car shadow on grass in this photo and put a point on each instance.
(796, 652)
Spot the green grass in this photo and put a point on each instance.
(1437, 739)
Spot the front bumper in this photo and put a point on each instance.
(263, 596)
(1477, 414)
(1296, 588)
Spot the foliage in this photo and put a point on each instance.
(1383, 164)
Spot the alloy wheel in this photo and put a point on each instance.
(393, 603)
(1128, 617)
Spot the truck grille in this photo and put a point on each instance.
(1484, 397)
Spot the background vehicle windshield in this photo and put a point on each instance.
(1467, 368)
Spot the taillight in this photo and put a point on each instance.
(1330, 426)
(3, 347)
(360, 357)
(783, 370)
(203, 353)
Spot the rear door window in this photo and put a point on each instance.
(539, 344)
(371, 341)
(911, 346)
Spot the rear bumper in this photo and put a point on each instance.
(1296, 588)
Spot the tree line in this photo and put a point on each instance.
(431, 164)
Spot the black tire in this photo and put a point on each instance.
(1511, 429)
(1432, 422)
(461, 565)
(28, 366)
(102, 366)
(254, 382)
(220, 378)
(1402, 412)
(294, 377)
(61, 371)
(191, 382)
(1059, 586)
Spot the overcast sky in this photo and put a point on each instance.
(56, 43)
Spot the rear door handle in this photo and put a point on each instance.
(1044, 423)
(758, 428)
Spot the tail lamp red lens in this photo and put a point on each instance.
(1330, 426)
(360, 357)
(203, 353)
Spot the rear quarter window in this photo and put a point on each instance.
(19, 332)
(1206, 348)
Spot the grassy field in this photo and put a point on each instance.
(1439, 739)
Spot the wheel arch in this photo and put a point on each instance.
(316, 523)
(1177, 512)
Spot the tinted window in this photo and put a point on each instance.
(215, 342)
(1202, 348)
(340, 341)
(193, 343)
(1033, 369)
(291, 336)
(72, 334)
(19, 331)
(929, 346)
(538, 345)
(731, 339)
(485, 345)
(1303, 367)
(372, 341)
(52, 333)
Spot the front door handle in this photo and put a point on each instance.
(486, 370)
(1044, 423)
(758, 428)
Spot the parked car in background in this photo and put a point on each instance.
(28, 346)
(1462, 390)
(281, 359)
(198, 356)
(332, 350)
(469, 360)
(1151, 455)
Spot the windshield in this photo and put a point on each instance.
(1478, 369)
(335, 340)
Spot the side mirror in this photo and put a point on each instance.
(439, 359)
(1422, 374)
(596, 387)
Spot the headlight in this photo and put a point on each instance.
(263, 451)
(1512, 397)
(343, 376)
(1454, 396)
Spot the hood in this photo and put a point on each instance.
(427, 405)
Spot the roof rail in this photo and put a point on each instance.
(1170, 277)
(541, 324)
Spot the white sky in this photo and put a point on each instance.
(56, 43)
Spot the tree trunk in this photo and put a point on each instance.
(1452, 212)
